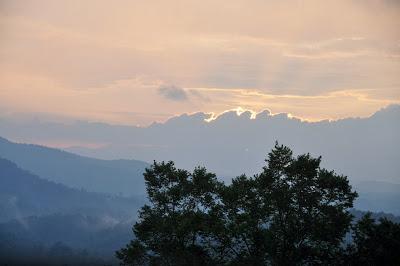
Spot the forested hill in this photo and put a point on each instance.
(24, 194)
(108, 176)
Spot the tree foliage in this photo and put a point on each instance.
(375, 243)
(174, 229)
(292, 213)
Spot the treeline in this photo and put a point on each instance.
(293, 213)
(98, 235)
(25, 252)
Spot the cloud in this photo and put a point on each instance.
(198, 95)
(173, 93)
(313, 49)
(234, 141)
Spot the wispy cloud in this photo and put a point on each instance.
(293, 55)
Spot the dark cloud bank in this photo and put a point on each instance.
(364, 149)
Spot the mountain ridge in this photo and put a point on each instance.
(112, 176)
(24, 194)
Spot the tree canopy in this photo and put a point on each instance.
(292, 213)
(375, 243)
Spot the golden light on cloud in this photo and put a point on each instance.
(103, 61)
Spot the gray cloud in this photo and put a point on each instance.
(173, 93)
(199, 95)
(364, 149)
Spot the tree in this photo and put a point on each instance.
(293, 212)
(375, 243)
(172, 230)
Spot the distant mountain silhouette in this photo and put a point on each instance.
(24, 194)
(364, 149)
(378, 196)
(113, 176)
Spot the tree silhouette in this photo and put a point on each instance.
(173, 229)
(292, 213)
(375, 243)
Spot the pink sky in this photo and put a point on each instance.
(135, 62)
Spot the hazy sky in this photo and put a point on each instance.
(135, 62)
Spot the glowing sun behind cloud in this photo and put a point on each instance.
(136, 62)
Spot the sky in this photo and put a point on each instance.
(136, 62)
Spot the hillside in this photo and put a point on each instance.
(24, 194)
(44, 221)
(107, 176)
